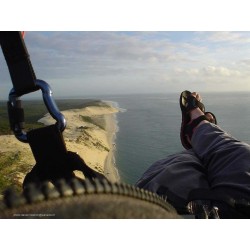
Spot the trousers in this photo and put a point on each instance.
(217, 161)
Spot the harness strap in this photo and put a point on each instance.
(16, 115)
(47, 144)
(53, 161)
(17, 58)
(236, 208)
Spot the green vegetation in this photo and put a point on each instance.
(77, 104)
(99, 145)
(10, 166)
(97, 121)
(89, 141)
(35, 110)
(6, 161)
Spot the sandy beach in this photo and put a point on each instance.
(90, 132)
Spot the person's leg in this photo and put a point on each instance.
(226, 159)
(174, 177)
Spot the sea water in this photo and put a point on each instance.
(149, 126)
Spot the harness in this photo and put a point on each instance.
(209, 204)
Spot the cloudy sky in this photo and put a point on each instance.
(93, 63)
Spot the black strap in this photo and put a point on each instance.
(53, 161)
(18, 61)
(193, 103)
(190, 127)
(16, 115)
(47, 144)
(229, 207)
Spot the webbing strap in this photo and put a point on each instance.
(229, 207)
(16, 116)
(47, 145)
(18, 61)
(52, 158)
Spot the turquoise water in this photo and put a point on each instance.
(150, 126)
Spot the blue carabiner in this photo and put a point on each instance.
(49, 103)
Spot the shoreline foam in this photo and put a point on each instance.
(110, 170)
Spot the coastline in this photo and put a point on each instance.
(110, 170)
(90, 132)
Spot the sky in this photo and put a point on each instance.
(100, 63)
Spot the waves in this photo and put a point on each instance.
(115, 105)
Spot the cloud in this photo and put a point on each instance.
(98, 62)
(78, 54)
(220, 71)
(208, 71)
(225, 37)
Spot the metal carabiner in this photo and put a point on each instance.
(49, 103)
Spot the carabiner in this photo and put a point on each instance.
(49, 103)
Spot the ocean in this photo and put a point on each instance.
(149, 126)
